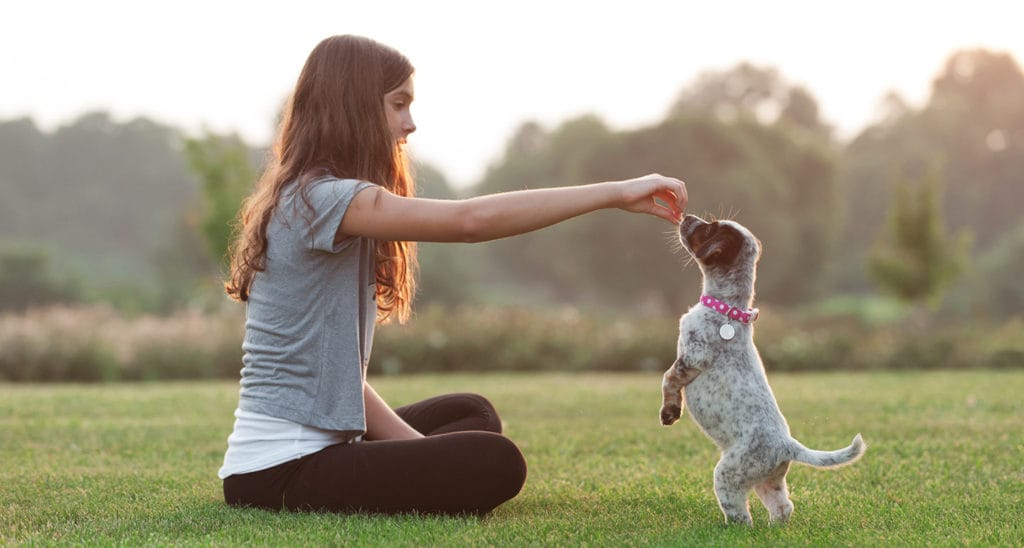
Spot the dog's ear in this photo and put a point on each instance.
(708, 250)
(721, 248)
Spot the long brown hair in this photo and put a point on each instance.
(334, 124)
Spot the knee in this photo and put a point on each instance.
(490, 469)
(509, 466)
(517, 463)
(484, 409)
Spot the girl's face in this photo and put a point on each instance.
(396, 107)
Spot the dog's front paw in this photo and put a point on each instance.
(670, 414)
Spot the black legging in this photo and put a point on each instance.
(463, 466)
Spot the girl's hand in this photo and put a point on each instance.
(656, 195)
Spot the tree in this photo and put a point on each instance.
(764, 153)
(22, 149)
(776, 173)
(996, 283)
(225, 168)
(972, 126)
(99, 195)
(748, 91)
(448, 272)
(917, 261)
(26, 279)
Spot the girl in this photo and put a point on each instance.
(324, 252)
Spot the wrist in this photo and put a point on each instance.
(614, 195)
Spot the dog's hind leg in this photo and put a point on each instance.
(732, 491)
(774, 494)
(672, 384)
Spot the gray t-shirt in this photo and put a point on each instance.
(310, 315)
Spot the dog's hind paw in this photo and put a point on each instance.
(670, 414)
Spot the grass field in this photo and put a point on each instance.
(136, 464)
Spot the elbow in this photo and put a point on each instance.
(473, 229)
(472, 226)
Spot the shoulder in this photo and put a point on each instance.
(332, 189)
(323, 196)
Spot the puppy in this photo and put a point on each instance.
(724, 382)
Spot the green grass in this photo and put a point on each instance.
(136, 463)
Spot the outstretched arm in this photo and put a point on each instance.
(381, 215)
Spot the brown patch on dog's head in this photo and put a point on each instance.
(712, 244)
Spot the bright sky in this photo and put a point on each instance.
(483, 67)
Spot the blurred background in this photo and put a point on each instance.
(876, 150)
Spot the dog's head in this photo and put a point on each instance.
(720, 246)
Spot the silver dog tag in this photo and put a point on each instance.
(727, 331)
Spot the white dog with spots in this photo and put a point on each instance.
(720, 372)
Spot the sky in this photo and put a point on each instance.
(482, 68)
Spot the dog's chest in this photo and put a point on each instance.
(705, 340)
(731, 377)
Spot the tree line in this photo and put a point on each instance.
(924, 199)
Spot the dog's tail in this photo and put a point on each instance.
(829, 459)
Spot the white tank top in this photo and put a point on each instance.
(260, 441)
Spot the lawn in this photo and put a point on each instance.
(136, 464)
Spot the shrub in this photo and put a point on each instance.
(493, 338)
(98, 343)
(55, 343)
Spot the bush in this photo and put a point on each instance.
(56, 344)
(493, 338)
(97, 343)
(100, 344)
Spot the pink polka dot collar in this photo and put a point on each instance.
(725, 309)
